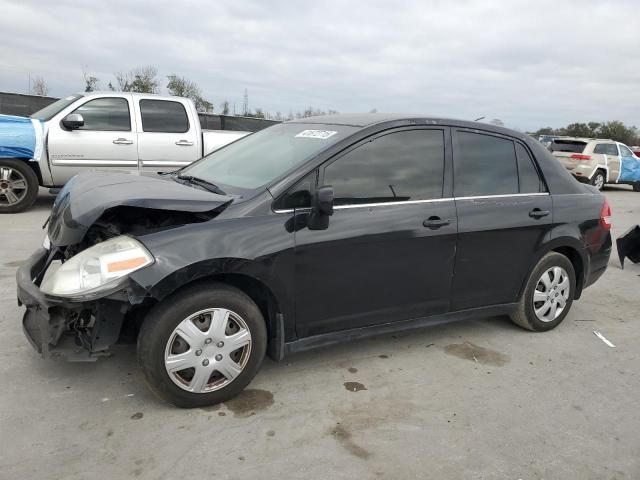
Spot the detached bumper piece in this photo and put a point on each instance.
(78, 331)
(629, 245)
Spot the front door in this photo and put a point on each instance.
(504, 213)
(107, 141)
(388, 252)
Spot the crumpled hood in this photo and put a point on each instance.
(87, 196)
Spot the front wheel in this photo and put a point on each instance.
(203, 345)
(548, 294)
(18, 186)
(636, 187)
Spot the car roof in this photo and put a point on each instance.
(587, 140)
(363, 120)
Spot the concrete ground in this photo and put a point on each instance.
(476, 400)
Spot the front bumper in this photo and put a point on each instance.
(78, 330)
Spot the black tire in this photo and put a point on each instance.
(29, 197)
(160, 323)
(595, 180)
(525, 315)
(636, 187)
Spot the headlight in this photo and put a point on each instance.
(97, 268)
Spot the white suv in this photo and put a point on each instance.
(598, 161)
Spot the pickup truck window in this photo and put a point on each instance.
(257, 159)
(163, 116)
(109, 113)
(48, 112)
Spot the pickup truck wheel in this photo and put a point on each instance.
(203, 345)
(18, 186)
(548, 295)
(598, 179)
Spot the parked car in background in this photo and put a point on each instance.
(547, 139)
(598, 161)
(106, 131)
(636, 151)
(307, 233)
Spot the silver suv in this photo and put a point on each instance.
(597, 161)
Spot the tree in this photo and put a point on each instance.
(224, 108)
(581, 130)
(91, 82)
(142, 80)
(39, 87)
(618, 131)
(181, 87)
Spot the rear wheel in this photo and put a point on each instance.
(18, 186)
(548, 294)
(203, 345)
(598, 179)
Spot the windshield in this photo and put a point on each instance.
(257, 159)
(50, 110)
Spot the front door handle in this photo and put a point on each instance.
(537, 213)
(184, 143)
(122, 141)
(436, 222)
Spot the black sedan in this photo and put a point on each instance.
(308, 233)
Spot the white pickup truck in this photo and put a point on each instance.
(107, 131)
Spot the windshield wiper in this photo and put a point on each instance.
(201, 182)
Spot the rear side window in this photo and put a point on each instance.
(163, 116)
(400, 166)
(484, 165)
(573, 146)
(624, 151)
(606, 149)
(108, 114)
(527, 174)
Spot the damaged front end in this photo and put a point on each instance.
(77, 289)
(80, 328)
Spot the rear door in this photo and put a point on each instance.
(107, 141)
(504, 212)
(388, 252)
(169, 136)
(613, 162)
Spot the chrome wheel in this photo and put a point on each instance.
(551, 294)
(598, 181)
(207, 350)
(13, 186)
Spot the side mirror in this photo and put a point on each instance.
(321, 208)
(73, 121)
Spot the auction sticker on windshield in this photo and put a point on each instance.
(321, 134)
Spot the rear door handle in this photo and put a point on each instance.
(537, 213)
(122, 141)
(436, 222)
(184, 143)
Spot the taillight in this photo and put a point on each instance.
(605, 216)
(579, 156)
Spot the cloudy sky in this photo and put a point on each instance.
(531, 64)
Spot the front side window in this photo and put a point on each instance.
(163, 116)
(484, 165)
(108, 114)
(400, 166)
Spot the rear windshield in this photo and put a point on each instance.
(573, 146)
